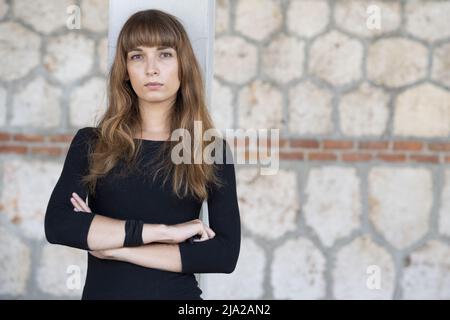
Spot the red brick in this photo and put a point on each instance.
(305, 143)
(356, 157)
(4, 136)
(322, 156)
(293, 155)
(375, 145)
(439, 146)
(408, 145)
(424, 158)
(51, 151)
(60, 138)
(13, 149)
(28, 137)
(337, 144)
(391, 157)
(447, 159)
(282, 143)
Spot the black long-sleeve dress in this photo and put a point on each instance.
(134, 197)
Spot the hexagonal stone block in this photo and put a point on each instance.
(315, 16)
(267, 211)
(246, 281)
(24, 200)
(61, 271)
(310, 109)
(290, 66)
(40, 102)
(69, 57)
(94, 15)
(88, 103)
(335, 215)
(257, 19)
(235, 51)
(297, 271)
(260, 106)
(222, 16)
(441, 64)
(400, 201)
(360, 16)
(426, 273)
(44, 16)
(427, 20)
(222, 106)
(396, 62)
(363, 270)
(364, 111)
(444, 213)
(423, 111)
(15, 264)
(17, 44)
(336, 58)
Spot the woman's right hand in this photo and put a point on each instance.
(182, 231)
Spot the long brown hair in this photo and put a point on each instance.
(115, 130)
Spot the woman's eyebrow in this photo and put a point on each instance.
(135, 49)
(164, 47)
(159, 48)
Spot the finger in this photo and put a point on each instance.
(77, 200)
(75, 204)
(201, 234)
(204, 235)
(211, 233)
(82, 203)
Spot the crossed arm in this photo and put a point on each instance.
(105, 240)
(106, 232)
(157, 255)
(104, 236)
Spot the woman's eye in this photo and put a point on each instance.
(168, 53)
(133, 57)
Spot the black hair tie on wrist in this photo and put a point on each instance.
(133, 233)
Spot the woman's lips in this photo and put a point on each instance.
(153, 86)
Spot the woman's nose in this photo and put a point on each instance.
(152, 66)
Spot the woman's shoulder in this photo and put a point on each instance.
(86, 134)
(85, 137)
(87, 131)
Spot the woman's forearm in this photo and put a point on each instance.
(156, 255)
(108, 233)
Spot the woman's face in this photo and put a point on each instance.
(153, 64)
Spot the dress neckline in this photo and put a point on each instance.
(149, 140)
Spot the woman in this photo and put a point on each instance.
(140, 222)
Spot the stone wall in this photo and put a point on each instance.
(360, 207)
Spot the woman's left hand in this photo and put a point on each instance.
(79, 204)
